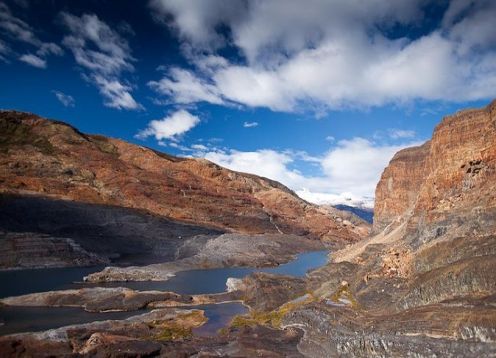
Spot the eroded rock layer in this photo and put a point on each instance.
(446, 183)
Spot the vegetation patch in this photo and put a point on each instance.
(14, 133)
(273, 318)
(173, 332)
(180, 327)
(104, 144)
(344, 294)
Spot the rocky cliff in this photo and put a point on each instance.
(446, 184)
(54, 160)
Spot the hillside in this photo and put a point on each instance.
(54, 160)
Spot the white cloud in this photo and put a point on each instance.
(33, 60)
(345, 198)
(117, 95)
(331, 54)
(196, 20)
(104, 54)
(65, 99)
(395, 133)
(356, 165)
(171, 127)
(186, 87)
(330, 138)
(18, 30)
(250, 124)
(265, 162)
(349, 172)
(199, 147)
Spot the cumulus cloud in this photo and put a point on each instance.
(250, 124)
(186, 87)
(104, 54)
(334, 54)
(171, 127)
(20, 31)
(65, 99)
(117, 94)
(355, 165)
(349, 171)
(33, 60)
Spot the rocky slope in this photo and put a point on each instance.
(52, 159)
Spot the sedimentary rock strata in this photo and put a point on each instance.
(34, 250)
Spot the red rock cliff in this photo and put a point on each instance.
(448, 182)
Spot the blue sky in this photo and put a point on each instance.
(317, 94)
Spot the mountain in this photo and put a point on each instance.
(58, 181)
(363, 213)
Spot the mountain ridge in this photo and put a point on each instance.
(54, 159)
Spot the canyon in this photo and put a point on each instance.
(420, 282)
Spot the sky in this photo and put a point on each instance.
(316, 94)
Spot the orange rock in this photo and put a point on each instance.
(449, 182)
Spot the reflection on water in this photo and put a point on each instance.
(194, 282)
(33, 319)
(21, 282)
(218, 316)
(23, 319)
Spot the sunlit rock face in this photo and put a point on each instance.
(53, 159)
(447, 185)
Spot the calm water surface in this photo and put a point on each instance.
(24, 319)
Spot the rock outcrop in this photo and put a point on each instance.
(53, 159)
(445, 186)
(398, 188)
(32, 250)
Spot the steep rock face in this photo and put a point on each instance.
(446, 184)
(53, 159)
(397, 190)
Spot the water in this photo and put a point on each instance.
(206, 281)
(21, 282)
(219, 316)
(34, 319)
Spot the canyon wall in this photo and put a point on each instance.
(447, 185)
